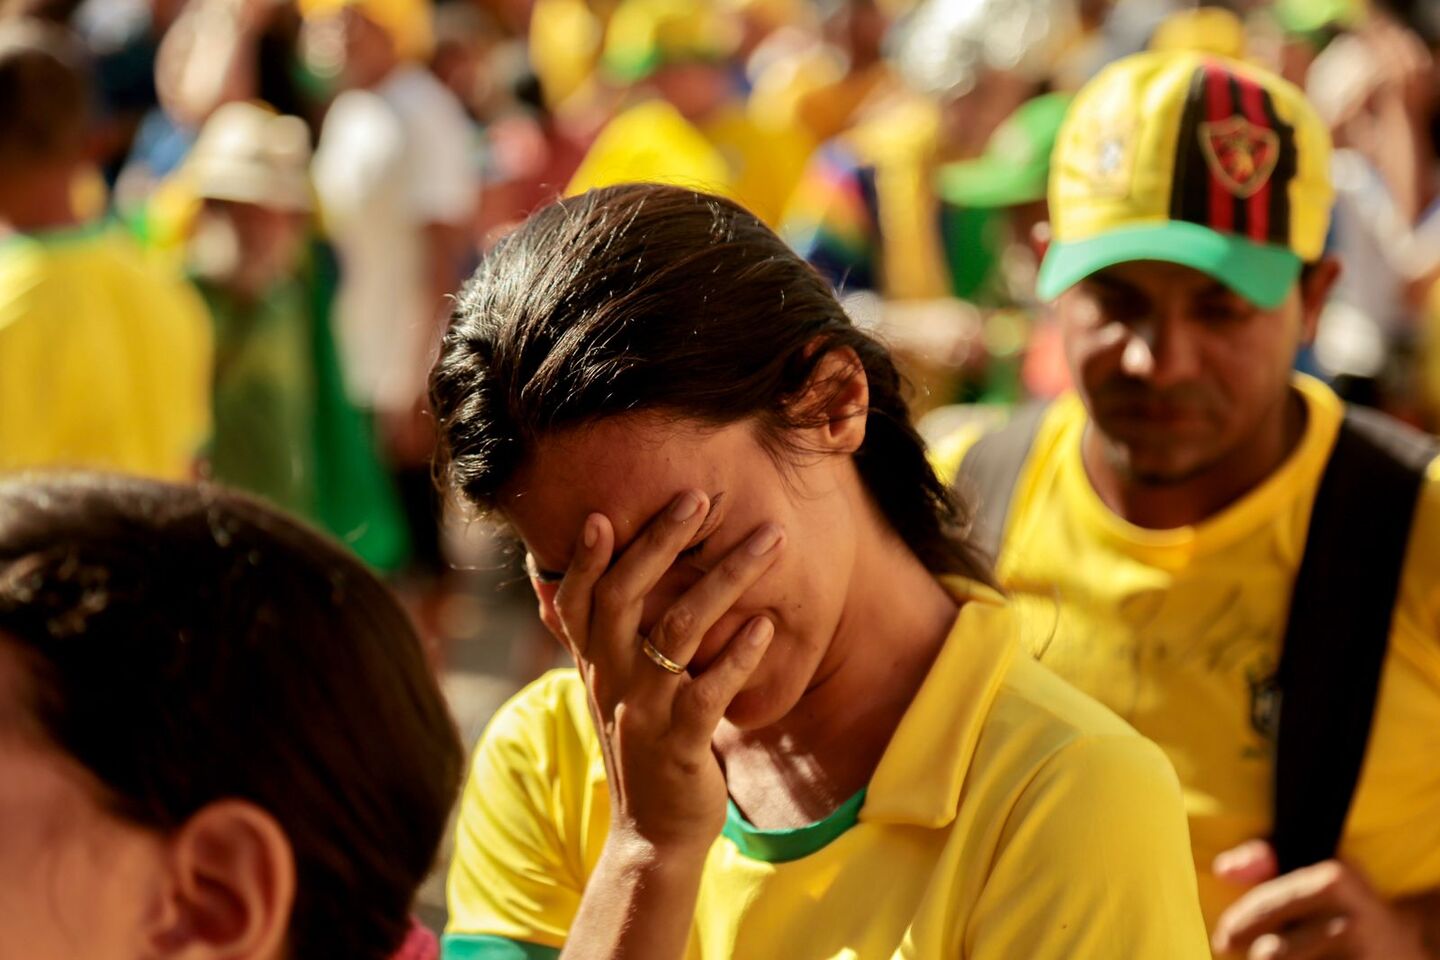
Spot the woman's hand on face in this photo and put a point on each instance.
(667, 788)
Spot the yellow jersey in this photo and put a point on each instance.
(1179, 632)
(1010, 816)
(105, 358)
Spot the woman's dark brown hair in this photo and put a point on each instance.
(652, 298)
(187, 645)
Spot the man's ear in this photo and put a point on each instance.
(837, 397)
(1315, 289)
(231, 889)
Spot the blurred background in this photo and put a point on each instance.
(323, 174)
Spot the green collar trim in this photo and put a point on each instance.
(782, 846)
(471, 946)
(58, 236)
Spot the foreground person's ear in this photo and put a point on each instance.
(838, 397)
(231, 888)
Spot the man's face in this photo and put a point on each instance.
(1176, 369)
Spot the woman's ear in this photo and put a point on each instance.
(232, 887)
(839, 395)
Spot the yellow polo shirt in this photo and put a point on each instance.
(1010, 817)
(1179, 632)
(105, 357)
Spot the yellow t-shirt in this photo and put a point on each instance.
(1009, 817)
(105, 358)
(1179, 632)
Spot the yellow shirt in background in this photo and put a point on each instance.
(1179, 632)
(1010, 817)
(653, 143)
(105, 357)
(730, 155)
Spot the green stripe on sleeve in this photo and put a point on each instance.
(470, 946)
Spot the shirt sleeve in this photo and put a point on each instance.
(512, 890)
(359, 164)
(444, 158)
(1094, 863)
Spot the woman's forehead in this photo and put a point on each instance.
(626, 470)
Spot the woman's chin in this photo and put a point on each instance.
(756, 707)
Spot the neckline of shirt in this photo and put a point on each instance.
(1265, 504)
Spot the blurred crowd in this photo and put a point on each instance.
(284, 194)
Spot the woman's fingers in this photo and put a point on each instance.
(680, 629)
(620, 595)
(701, 703)
(574, 599)
(1324, 939)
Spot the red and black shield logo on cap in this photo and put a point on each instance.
(1240, 154)
(1235, 157)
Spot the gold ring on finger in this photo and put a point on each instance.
(659, 659)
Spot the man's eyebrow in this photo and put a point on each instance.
(1112, 283)
(555, 576)
(1216, 289)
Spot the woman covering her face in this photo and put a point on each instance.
(800, 725)
(219, 736)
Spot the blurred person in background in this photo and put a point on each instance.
(1232, 562)
(219, 735)
(123, 38)
(397, 185)
(1018, 353)
(867, 212)
(822, 86)
(549, 106)
(105, 356)
(224, 51)
(685, 120)
(1373, 81)
(284, 426)
(216, 52)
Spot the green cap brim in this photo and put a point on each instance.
(1262, 273)
(988, 182)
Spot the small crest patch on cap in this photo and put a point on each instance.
(1112, 164)
(1241, 155)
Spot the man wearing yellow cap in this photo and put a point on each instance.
(685, 121)
(1234, 563)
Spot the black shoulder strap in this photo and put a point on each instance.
(1339, 628)
(989, 472)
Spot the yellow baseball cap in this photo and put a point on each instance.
(1193, 159)
(1206, 29)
